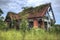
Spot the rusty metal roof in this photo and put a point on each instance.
(38, 11)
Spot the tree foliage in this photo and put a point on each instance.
(24, 21)
(2, 23)
(1, 12)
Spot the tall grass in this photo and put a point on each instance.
(33, 34)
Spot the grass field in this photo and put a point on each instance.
(36, 34)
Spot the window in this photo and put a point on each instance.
(45, 23)
(30, 24)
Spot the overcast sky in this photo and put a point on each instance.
(16, 5)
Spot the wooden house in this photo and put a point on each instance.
(39, 17)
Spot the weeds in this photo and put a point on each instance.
(33, 34)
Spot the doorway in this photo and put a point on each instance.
(45, 24)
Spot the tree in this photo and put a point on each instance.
(2, 23)
(24, 23)
(1, 12)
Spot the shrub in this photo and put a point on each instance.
(3, 25)
(54, 30)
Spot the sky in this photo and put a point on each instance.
(16, 6)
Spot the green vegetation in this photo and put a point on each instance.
(25, 34)
(24, 24)
(1, 12)
(33, 34)
(2, 23)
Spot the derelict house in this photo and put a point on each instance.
(38, 17)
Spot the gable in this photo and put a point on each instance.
(49, 14)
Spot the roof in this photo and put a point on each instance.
(12, 16)
(38, 11)
(33, 12)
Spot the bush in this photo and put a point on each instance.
(54, 30)
(3, 25)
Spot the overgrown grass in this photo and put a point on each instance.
(33, 34)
